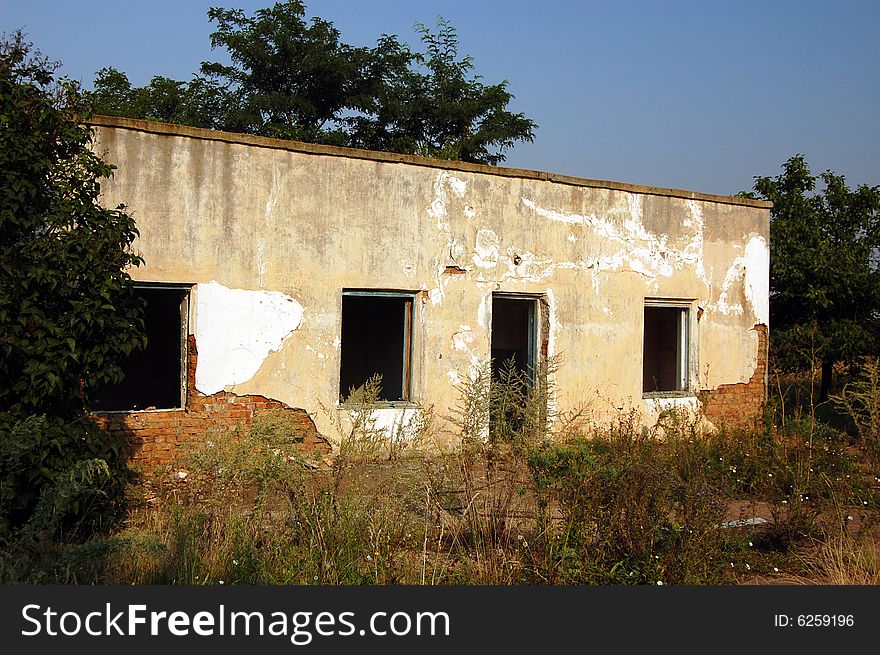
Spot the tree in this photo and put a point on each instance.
(436, 109)
(293, 79)
(200, 103)
(68, 313)
(296, 79)
(824, 273)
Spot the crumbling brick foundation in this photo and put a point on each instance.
(154, 437)
(740, 405)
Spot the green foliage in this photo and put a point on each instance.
(296, 79)
(860, 398)
(430, 104)
(632, 508)
(824, 275)
(68, 314)
(292, 79)
(59, 480)
(201, 102)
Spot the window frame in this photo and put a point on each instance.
(685, 357)
(535, 327)
(407, 374)
(185, 309)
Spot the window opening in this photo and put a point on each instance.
(155, 378)
(665, 351)
(377, 340)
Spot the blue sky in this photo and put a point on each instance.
(683, 94)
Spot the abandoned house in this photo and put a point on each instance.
(282, 274)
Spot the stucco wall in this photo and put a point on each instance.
(271, 232)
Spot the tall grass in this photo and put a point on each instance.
(520, 499)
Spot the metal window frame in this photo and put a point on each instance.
(408, 328)
(684, 357)
(534, 320)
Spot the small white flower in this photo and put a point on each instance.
(775, 570)
(748, 568)
(235, 562)
(770, 475)
(660, 582)
(750, 544)
(221, 582)
(864, 502)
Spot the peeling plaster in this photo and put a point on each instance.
(555, 323)
(752, 270)
(437, 210)
(236, 330)
(486, 249)
(655, 406)
(392, 422)
(639, 250)
(462, 339)
(484, 311)
(261, 262)
(758, 278)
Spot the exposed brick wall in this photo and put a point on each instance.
(155, 436)
(740, 405)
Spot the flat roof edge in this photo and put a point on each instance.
(173, 129)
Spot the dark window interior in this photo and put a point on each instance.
(153, 377)
(513, 328)
(376, 339)
(662, 349)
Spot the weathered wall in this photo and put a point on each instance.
(155, 437)
(270, 232)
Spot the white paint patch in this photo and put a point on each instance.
(236, 330)
(555, 323)
(753, 271)
(484, 311)
(757, 266)
(723, 304)
(561, 217)
(458, 186)
(653, 407)
(486, 249)
(438, 210)
(462, 340)
(393, 422)
(261, 262)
